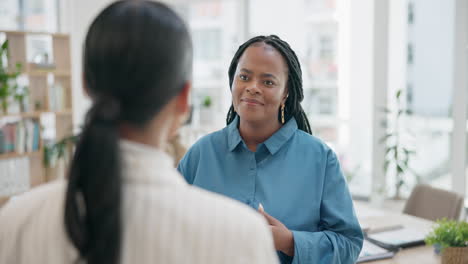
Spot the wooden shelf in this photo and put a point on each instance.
(63, 112)
(14, 155)
(56, 35)
(36, 114)
(45, 72)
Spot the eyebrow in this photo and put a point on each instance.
(267, 75)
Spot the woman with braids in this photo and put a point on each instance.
(124, 202)
(266, 155)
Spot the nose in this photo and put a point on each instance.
(253, 89)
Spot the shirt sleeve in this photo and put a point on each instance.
(340, 238)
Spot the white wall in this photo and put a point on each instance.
(278, 18)
(82, 14)
(359, 68)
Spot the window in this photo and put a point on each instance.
(30, 15)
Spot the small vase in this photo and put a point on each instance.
(455, 255)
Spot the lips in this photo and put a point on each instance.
(251, 101)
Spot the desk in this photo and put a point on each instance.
(371, 217)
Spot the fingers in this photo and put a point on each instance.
(270, 219)
(260, 208)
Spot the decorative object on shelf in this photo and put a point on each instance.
(397, 156)
(21, 95)
(56, 97)
(7, 78)
(451, 239)
(41, 61)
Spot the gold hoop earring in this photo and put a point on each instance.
(282, 114)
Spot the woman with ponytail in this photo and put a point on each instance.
(123, 201)
(267, 158)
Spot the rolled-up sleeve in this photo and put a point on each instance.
(339, 239)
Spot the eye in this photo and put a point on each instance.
(243, 77)
(269, 83)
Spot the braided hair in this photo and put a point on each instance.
(293, 106)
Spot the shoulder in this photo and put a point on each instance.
(29, 219)
(231, 218)
(24, 205)
(311, 143)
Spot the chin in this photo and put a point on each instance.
(251, 117)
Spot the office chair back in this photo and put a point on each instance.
(432, 203)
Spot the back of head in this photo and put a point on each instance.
(137, 57)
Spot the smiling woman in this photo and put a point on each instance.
(259, 85)
(267, 155)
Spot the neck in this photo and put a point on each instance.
(254, 133)
(154, 134)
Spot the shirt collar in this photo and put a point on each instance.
(234, 138)
(273, 144)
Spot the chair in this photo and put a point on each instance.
(3, 200)
(432, 203)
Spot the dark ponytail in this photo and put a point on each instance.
(92, 212)
(137, 57)
(293, 106)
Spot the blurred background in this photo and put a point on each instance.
(384, 81)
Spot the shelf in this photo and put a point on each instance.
(13, 155)
(23, 115)
(13, 32)
(63, 112)
(37, 114)
(45, 72)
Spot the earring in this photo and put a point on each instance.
(282, 114)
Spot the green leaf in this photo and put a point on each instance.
(399, 169)
(398, 94)
(408, 151)
(390, 149)
(386, 137)
(5, 45)
(448, 233)
(384, 110)
(386, 163)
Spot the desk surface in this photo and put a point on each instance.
(371, 217)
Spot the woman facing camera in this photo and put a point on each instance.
(124, 202)
(266, 155)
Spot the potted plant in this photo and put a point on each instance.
(451, 239)
(56, 156)
(206, 114)
(397, 156)
(7, 78)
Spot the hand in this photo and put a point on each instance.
(282, 236)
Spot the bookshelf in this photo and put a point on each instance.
(46, 71)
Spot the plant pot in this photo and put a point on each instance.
(455, 255)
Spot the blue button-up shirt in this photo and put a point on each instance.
(295, 176)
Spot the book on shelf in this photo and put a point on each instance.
(20, 137)
(56, 97)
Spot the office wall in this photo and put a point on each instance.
(81, 15)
